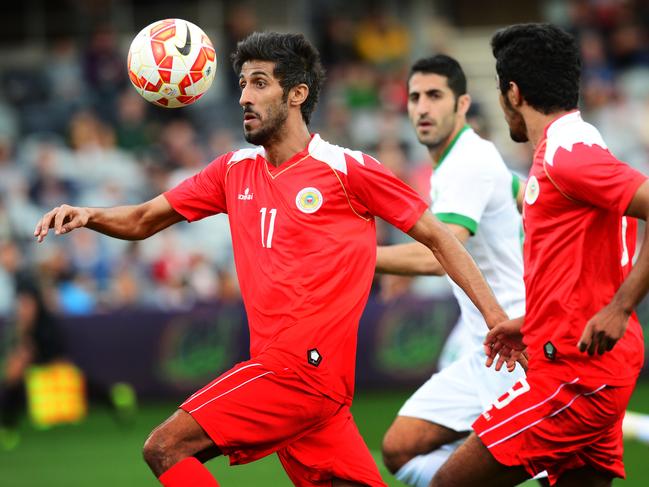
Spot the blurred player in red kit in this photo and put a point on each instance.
(301, 213)
(584, 341)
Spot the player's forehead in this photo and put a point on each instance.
(256, 67)
(423, 82)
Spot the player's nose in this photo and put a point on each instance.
(423, 109)
(246, 97)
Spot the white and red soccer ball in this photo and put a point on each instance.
(171, 63)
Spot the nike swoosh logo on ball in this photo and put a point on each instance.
(188, 44)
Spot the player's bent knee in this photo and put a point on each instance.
(154, 452)
(394, 456)
(160, 449)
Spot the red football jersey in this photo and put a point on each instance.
(577, 250)
(304, 245)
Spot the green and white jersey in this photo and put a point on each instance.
(473, 187)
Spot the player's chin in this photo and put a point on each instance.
(428, 139)
(249, 125)
(249, 130)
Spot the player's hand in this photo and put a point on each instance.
(62, 219)
(504, 345)
(604, 330)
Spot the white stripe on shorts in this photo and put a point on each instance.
(561, 386)
(233, 389)
(198, 393)
(548, 416)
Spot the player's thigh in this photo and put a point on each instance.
(413, 436)
(332, 452)
(472, 464)
(252, 410)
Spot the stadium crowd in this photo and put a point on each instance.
(73, 130)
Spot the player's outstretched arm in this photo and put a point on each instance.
(459, 265)
(605, 328)
(413, 259)
(125, 222)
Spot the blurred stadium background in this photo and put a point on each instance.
(164, 315)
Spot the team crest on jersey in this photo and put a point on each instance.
(308, 200)
(532, 190)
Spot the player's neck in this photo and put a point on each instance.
(295, 139)
(536, 123)
(439, 152)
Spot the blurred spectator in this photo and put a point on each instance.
(133, 130)
(98, 161)
(598, 76)
(67, 88)
(240, 21)
(382, 40)
(337, 42)
(35, 337)
(104, 69)
(11, 173)
(49, 186)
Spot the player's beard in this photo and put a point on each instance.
(271, 125)
(516, 122)
(445, 126)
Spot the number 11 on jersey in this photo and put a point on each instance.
(267, 242)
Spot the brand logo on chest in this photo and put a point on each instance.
(246, 195)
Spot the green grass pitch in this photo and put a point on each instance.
(99, 453)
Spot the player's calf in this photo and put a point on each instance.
(472, 464)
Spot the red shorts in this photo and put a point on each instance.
(545, 423)
(253, 410)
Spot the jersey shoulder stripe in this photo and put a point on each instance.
(333, 155)
(568, 131)
(247, 153)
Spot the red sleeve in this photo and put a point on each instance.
(203, 194)
(591, 174)
(383, 194)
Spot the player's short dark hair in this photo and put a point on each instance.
(296, 61)
(543, 60)
(442, 65)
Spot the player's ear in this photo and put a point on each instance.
(298, 94)
(514, 95)
(463, 104)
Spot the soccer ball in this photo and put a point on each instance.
(171, 63)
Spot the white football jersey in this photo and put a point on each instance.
(473, 187)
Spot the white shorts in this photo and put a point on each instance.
(458, 344)
(455, 396)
